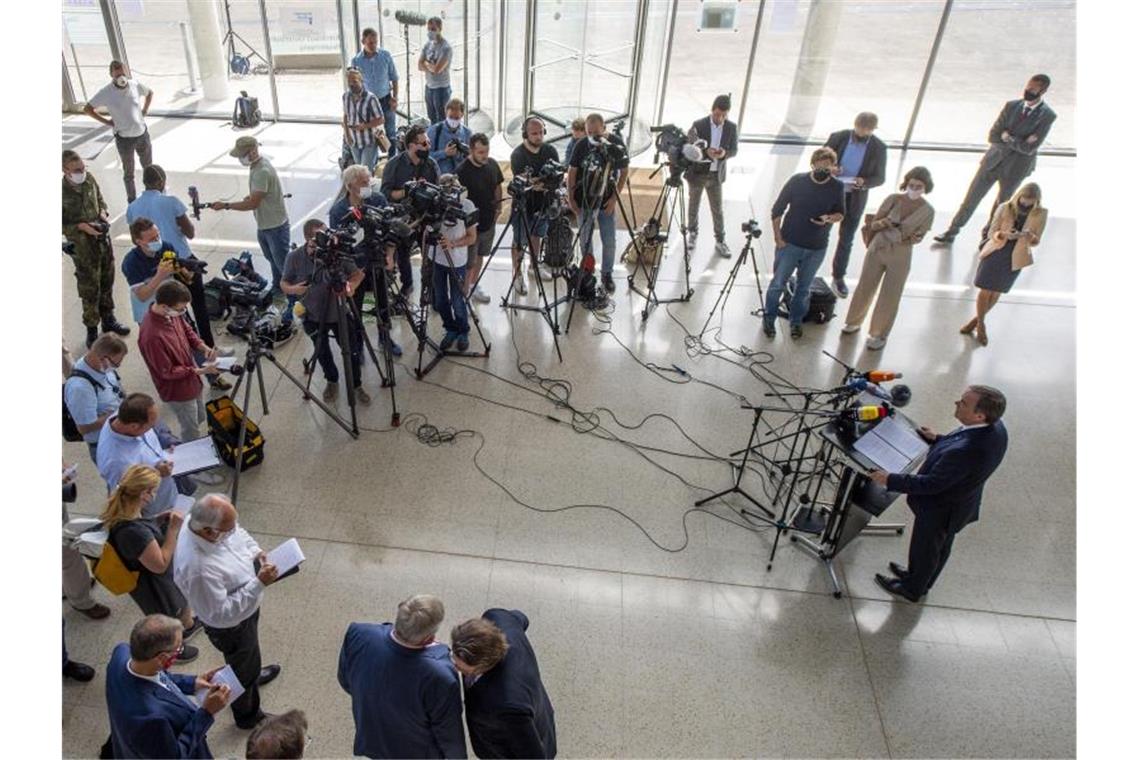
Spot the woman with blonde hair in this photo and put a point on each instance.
(1015, 228)
(146, 545)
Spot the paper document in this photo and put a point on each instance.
(226, 677)
(286, 556)
(195, 455)
(901, 437)
(891, 445)
(182, 504)
(225, 362)
(885, 456)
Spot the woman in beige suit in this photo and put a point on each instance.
(1015, 228)
(901, 221)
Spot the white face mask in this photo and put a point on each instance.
(452, 124)
(245, 160)
(913, 194)
(120, 81)
(365, 192)
(77, 178)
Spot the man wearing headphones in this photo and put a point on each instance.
(531, 155)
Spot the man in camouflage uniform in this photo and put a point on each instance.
(84, 209)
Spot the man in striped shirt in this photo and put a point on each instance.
(362, 113)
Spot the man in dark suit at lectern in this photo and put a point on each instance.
(946, 492)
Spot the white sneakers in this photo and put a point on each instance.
(692, 240)
(874, 344)
(520, 281)
(722, 250)
(848, 329)
(480, 297)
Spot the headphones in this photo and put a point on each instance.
(528, 120)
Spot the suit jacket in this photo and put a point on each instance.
(874, 168)
(910, 230)
(702, 129)
(1021, 155)
(508, 711)
(949, 484)
(1002, 224)
(406, 702)
(148, 720)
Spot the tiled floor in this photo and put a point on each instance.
(645, 652)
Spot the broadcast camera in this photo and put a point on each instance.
(432, 204)
(674, 144)
(240, 291)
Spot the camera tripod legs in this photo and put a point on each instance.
(671, 198)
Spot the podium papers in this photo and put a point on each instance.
(224, 677)
(194, 456)
(891, 445)
(286, 556)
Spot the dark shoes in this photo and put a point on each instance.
(92, 334)
(608, 283)
(220, 384)
(77, 671)
(463, 343)
(770, 327)
(268, 673)
(797, 332)
(189, 633)
(898, 570)
(113, 325)
(840, 287)
(448, 341)
(894, 587)
(394, 347)
(188, 654)
(95, 611)
(946, 238)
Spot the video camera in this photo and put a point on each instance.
(674, 144)
(549, 176)
(239, 286)
(431, 204)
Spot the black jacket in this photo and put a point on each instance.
(508, 711)
(702, 129)
(874, 168)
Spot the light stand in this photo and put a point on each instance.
(229, 38)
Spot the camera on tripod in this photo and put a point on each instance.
(432, 204)
(751, 228)
(674, 144)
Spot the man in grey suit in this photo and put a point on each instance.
(719, 135)
(1015, 137)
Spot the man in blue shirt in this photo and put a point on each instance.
(381, 79)
(166, 211)
(802, 216)
(93, 391)
(128, 437)
(440, 135)
(405, 692)
(862, 166)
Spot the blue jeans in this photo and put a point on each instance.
(389, 123)
(538, 228)
(366, 156)
(609, 236)
(435, 99)
(804, 262)
(447, 293)
(274, 244)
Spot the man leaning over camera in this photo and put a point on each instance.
(319, 302)
(483, 178)
(413, 164)
(585, 205)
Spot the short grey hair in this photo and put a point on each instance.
(353, 173)
(207, 511)
(418, 618)
(153, 635)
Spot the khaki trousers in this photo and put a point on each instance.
(889, 264)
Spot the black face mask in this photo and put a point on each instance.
(422, 153)
(1025, 205)
(857, 138)
(1030, 95)
(820, 174)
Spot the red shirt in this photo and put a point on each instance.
(166, 346)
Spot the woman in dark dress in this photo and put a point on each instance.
(146, 545)
(1015, 228)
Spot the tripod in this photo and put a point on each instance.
(745, 252)
(251, 367)
(228, 39)
(671, 199)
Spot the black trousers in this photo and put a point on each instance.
(201, 310)
(930, 542)
(856, 201)
(240, 649)
(323, 349)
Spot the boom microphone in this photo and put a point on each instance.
(411, 18)
(692, 153)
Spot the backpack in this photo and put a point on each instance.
(70, 429)
(821, 301)
(246, 112)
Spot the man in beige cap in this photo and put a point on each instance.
(267, 203)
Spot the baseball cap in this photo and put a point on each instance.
(243, 146)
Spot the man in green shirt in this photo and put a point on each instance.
(267, 203)
(86, 228)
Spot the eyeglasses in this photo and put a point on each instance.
(116, 363)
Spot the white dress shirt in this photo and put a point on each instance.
(716, 132)
(218, 578)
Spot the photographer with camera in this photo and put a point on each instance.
(597, 174)
(318, 297)
(483, 178)
(529, 158)
(414, 163)
(449, 138)
(449, 266)
(87, 231)
(719, 135)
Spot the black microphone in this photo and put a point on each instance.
(411, 18)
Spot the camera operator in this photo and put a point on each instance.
(530, 157)
(415, 162)
(719, 135)
(319, 300)
(612, 158)
(85, 226)
(449, 138)
(449, 267)
(484, 182)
